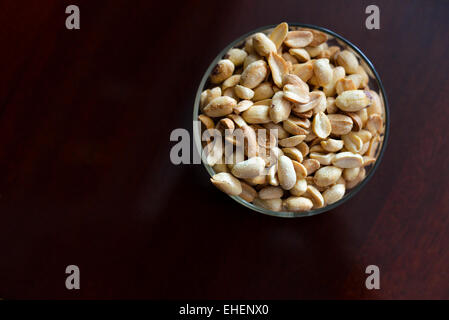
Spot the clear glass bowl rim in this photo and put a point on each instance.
(355, 190)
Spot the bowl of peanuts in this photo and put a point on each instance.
(291, 120)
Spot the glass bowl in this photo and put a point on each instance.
(375, 84)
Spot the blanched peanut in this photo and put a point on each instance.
(356, 120)
(227, 183)
(243, 92)
(321, 125)
(280, 108)
(263, 45)
(298, 39)
(300, 54)
(374, 124)
(299, 188)
(222, 71)
(347, 60)
(277, 129)
(334, 193)
(322, 71)
(257, 114)
(303, 70)
(206, 121)
(230, 82)
(311, 165)
(292, 141)
(332, 145)
(323, 159)
(350, 174)
(272, 177)
(279, 34)
(376, 104)
(340, 124)
(220, 107)
(326, 176)
(356, 181)
(296, 94)
(286, 173)
(352, 142)
(248, 192)
(313, 194)
(237, 56)
(250, 168)
(254, 74)
(278, 67)
(242, 106)
(347, 160)
(271, 204)
(271, 192)
(209, 95)
(298, 204)
(263, 91)
(316, 99)
(352, 100)
(301, 171)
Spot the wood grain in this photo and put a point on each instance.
(85, 120)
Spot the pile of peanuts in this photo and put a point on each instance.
(309, 121)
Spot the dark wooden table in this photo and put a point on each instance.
(86, 179)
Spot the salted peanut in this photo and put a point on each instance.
(254, 74)
(304, 148)
(364, 149)
(230, 82)
(263, 45)
(350, 174)
(347, 160)
(259, 180)
(223, 70)
(250, 139)
(344, 84)
(248, 46)
(365, 135)
(316, 147)
(277, 129)
(298, 39)
(356, 120)
(252, 57)
(363, 114)
(333, 51)
(300, 54)
(206, 121)
(271, 192)
(227, 183)
(248, 192)
(263, 91)
(376, 104)
(334, 193)
(209, 95)
(304, 115)
(298, 204)
(321, 125)
(323, 159)
(316, 51)
(291, 127)
(301, 171)
(238, 120)
(296, 93)
(242, 106)
(229, 92)
(290, 58)
(270, 204)
(326, 176)
(243, 92)
(367, 161)
(286, 173)
(341, 124)
(352, 100)
(257, 114)
(220, 166)
(279, 34)
(237, 56)
(322, 104)
(225, 126)
(352, 142)
(316, 99)
(322, 71)
(374, 143)
(278, 67)
(337, 74)
(374, 124)
(265, 102)
(272, 177)
(332, 145)
(348, 60)
(293, 154)
(250, 168)
(292, 141)
(318, 37)
(302, 122)
(311, 165)
(280, 108)
(363, 75)
(303, 70)
(313, 194)
(299, 188)
(356, 79)
(356, 181)
(331, 108)
(220, 107)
